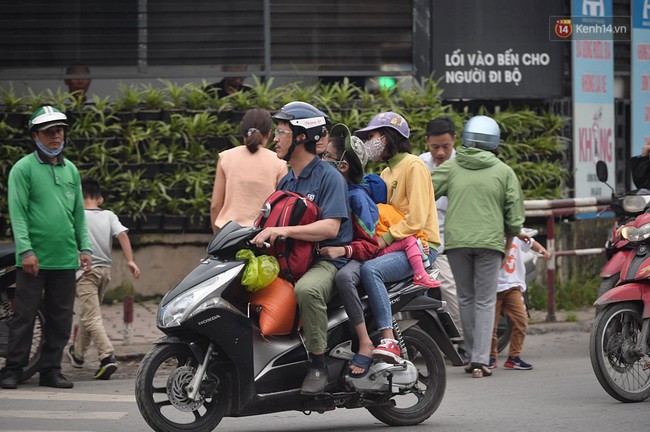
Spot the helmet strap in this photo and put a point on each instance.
(46, 151)
(287, 156)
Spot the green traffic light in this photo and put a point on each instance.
(386, 82)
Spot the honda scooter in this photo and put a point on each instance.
(213, 360)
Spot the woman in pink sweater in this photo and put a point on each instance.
(246, 175)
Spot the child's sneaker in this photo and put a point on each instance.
(517, 363)
(106, 368)
(388, 351)
(493, 363)
(74, 360)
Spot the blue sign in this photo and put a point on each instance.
(640, 75)
(593, 94)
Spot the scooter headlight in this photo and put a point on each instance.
(635, 203)
(176, 311)
(635, 234)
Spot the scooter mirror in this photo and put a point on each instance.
(601, 171)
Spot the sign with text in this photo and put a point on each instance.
(496, 52)
(593, 101)
(640, 75)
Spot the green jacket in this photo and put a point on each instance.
(485, 200)
(47, 212)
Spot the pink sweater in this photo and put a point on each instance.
(243, 182)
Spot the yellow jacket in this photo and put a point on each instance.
(410, 191)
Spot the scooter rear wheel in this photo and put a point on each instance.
(162, 398)
(423, 401)
(620, 371)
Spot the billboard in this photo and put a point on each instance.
(496, 50)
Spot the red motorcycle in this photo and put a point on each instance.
(625, 207)
(619, 344)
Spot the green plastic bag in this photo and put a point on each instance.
(260, 271)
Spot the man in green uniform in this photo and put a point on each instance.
(49, 226)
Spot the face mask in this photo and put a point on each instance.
(374, 147)
(46, 151)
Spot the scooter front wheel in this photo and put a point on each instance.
(620, 370)
(161, 396)
(425, 398)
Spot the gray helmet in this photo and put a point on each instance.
(482, 132)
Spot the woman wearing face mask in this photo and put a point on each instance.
(410, 191)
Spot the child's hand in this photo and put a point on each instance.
(134, 269)
(331, 251)
(381, 242)
(524, 237)
(547, 254)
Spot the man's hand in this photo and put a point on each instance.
(269, 235)
(645, 149)
(30, 265)
(86, 262)
(332, 251)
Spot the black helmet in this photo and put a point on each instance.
(304, 118)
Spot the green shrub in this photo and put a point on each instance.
(116, 145)
(575, 293)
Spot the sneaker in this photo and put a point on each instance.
(74, 360)
(493, 363)
(315, 381)
(517, 363)
(388, 351)
(106, 368)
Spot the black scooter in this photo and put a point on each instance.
(7, 287)
(214, 362)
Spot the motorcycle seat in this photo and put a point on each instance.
(7, 254)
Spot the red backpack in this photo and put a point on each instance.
(285, 208)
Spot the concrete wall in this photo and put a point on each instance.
(163, 259)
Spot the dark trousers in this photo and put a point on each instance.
(57, 289)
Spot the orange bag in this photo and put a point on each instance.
(276, 306)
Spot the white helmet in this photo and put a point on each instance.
(481, 132)
(46, 117)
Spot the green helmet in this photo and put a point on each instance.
(45, 117)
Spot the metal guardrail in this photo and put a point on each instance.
(564, 207)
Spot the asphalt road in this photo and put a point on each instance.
(560, 394)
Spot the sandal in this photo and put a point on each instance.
(361, 361)
(480, 370)
(426, 281)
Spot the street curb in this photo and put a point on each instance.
(559, 327)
